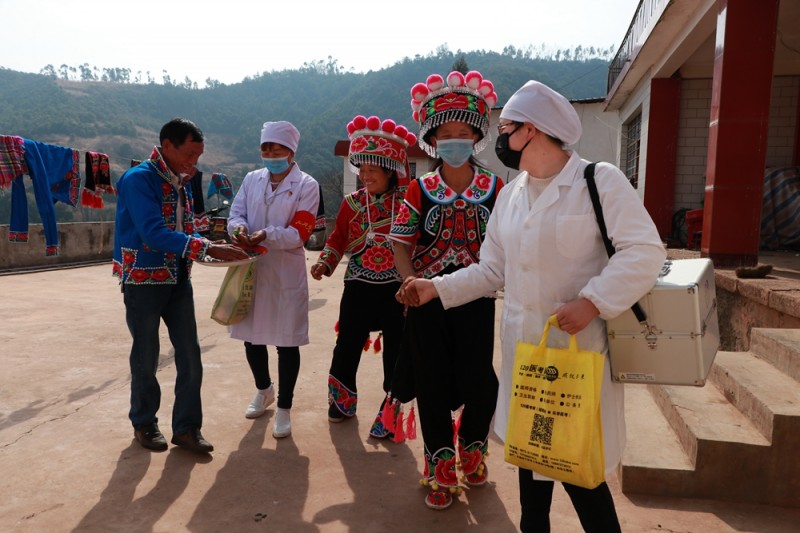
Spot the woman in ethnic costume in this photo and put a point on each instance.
(378, 155)
(438, 230)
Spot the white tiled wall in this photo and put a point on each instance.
(782, 121)
(693, 134)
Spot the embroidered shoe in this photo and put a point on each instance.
(378, 430)
(438, 500)
(283, 424)
(263, 399)
(479, 477)
(334, 414)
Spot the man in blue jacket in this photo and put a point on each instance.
(154, 246)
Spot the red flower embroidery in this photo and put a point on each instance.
(167, 210)
(482, 181)
(450, 101)
(160, 275)
(128, 258)
(403, 215)
(470, 460)
(139, 275)
(359, 144)
(378, 259)
(446, 472)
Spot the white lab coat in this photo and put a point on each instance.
(552, 253)
(279, 316)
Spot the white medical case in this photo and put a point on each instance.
(679, 340)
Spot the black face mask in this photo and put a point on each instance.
(505, 154)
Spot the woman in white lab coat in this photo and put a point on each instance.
(276, 208)
(544, 246)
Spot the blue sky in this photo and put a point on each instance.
(228, 40)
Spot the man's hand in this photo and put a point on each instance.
(226, 252)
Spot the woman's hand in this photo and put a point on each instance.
(406, 297)
(420, 290)
(318, 270)
(239, 235)
(576, 315)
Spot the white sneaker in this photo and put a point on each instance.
(263, 399)
(283, 424)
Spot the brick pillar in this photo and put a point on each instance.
(737, 140)
(662, 151)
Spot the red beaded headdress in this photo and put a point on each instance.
(464, 98)
(380, 143)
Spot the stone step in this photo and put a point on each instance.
(762, 392)
(780, 347)
(704, 415)
(654, 461)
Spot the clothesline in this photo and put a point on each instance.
(55, 173)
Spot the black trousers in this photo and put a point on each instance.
(288, 370)
(595, 507)
(367, 307)
(451, 352)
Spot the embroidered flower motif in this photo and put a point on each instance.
(403, 215)
(470, 460)
(139, 275)
(359, 145)
(378, 258)
(160, 274)
(451, 101)
(446, 471)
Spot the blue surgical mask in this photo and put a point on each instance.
(276, 165)
(454, 152)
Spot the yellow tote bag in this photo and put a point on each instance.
(235, 295)
(554, 421)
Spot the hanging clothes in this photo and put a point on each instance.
(220, 185)
(98, 180)
(12, 162)
(55, 175)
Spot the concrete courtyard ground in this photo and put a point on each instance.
(68, 461)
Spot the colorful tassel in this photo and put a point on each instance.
(399, 434)
(376, 346)
(411, 425)
(387, 413)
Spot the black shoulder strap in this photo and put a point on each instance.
(588, 175)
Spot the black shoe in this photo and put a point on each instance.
(193, 441)
(150, 437)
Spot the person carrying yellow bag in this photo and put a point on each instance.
(554, 419)
(544, 246)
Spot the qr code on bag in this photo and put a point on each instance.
(542, 430)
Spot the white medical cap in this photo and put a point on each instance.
(546, 109)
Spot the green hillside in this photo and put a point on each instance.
(122, 119)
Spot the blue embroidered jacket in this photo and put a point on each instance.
(147, 247)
